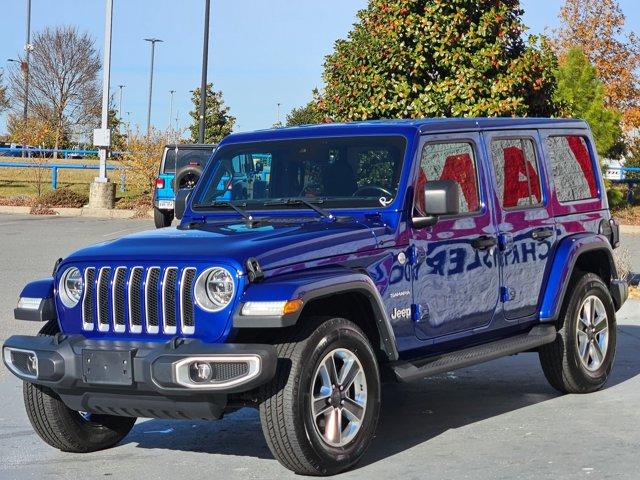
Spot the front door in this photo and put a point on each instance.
(455, 262)
(525, 223)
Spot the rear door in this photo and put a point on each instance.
(526, 225)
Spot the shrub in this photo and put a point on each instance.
(63, 197)
(616, 198)
(41, 210)
(17, 201)
(142, 159)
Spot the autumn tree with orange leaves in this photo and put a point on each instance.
(598, 28)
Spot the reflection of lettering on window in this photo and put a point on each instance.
(517, 176)
(572, 168)
(452, 161)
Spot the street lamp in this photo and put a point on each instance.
(120, 107)
(102, 191)
(153, 42)
(27, 48)
(171, 92)
(203, 83)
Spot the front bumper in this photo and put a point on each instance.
(139, 379)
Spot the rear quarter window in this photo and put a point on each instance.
(572, 168)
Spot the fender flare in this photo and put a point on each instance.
(564, 260)
(312, 287)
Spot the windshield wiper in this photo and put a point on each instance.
(224, 203)
(251, 222)
(301, 201)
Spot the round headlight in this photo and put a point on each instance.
(214, 289)
(71, 286)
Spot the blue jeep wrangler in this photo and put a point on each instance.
(180, 167)
(387, 250)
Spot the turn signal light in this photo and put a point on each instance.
(292, 306)
(282, 307)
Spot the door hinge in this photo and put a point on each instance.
(419, 313)
(505, 241)
(417, 255)
(507, 294)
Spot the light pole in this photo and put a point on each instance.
(102, 191)
(120, 107)
(153, 42)
(171, 92)
(27, 48)
(203, 83)
(278, 116)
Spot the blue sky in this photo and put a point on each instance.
(261, 52)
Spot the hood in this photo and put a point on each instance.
(273, 246)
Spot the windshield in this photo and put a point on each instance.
(186, 156)
(337, 172)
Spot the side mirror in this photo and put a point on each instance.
(181, 202)
(441, 197)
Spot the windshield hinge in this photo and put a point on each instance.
(254, 270)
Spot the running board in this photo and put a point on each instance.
(537, 336)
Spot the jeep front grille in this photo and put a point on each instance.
(135, 299)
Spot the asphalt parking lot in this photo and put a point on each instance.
(495, 421)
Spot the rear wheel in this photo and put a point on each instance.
(66, 429)
(581, 358)
(320, 412)
(162, 218)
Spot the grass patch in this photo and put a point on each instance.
(18, 182)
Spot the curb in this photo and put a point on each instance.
(78, 212)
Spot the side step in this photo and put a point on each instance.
(537, 336)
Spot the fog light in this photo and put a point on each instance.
(23, 363)
(216, 372)
(200, 372)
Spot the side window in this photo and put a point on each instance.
(450, 161)
(572, 168)
(517, 174)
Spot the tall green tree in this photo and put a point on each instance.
(308, 114)
(118, 137)
(580, 88)
(424, 58)
(218, 121)
(633, 158)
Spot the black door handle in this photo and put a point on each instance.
(541, 233)
(484, 242)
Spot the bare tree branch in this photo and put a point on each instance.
(64, 84)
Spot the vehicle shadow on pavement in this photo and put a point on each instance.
(411, 413)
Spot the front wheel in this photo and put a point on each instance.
(320, 412)
(66, 429)
(581, 358)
